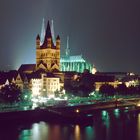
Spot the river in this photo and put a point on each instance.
(106, 125)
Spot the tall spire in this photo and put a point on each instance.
(48, 31)
(67, 49)
(42, 32)
(52, 31)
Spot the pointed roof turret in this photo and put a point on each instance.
(48, 34)
(48, 31)
(38, 37)
(58, 37)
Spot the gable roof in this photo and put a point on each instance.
(27, 67)
(4, 76)
(74, 58)
(12, 74)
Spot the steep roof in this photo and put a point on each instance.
(48, 34)
(38, 37)
(3, 80)
(4, 76)
(58, 37)
(12, 74)
(74, 58)
(27, 67)
(48, 31)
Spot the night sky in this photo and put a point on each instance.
(105, 32)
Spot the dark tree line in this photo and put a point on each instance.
(82, 86)
(10, 93)
(122, 89)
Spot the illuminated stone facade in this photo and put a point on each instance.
(50, 85)
(48, 54)
(46, 85)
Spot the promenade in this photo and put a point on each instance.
(73, 113)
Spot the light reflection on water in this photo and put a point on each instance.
(117, 113)
(113, 125)
(138, 127)
(77, 133)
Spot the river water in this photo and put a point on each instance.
(106, 125)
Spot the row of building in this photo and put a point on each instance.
(52, 71)
(43, 83)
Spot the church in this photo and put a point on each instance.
(48, 56)
(51, 71)
(44, 77)
(74, 62)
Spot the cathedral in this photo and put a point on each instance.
(74, 62)
(48, 55)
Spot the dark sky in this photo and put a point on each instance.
(105, 32)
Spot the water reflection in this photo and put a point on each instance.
(77, 132)
(90, 134)
(105, 118)
(25, 135)
(117, 113)
(105, 126)
(138, 127)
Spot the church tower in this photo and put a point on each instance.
(48, 54)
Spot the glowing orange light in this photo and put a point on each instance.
(77, 111)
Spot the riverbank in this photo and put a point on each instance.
(74, 114)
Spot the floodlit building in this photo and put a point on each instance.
(36, 85)
(48, 54)
(74, 62)
(47, 64)
(50, 85)
(45, 85)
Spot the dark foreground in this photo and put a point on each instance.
(82, 114)
(103, 121)
(113, 124)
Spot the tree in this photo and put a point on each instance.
(83, 85)
(107, 90)
(138, 89)
(132, 90)
(10, 93)
(122, 89)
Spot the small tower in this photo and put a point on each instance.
(58, 42)
(58, 51)
(47, 54)
(38, 42)
(48, 36)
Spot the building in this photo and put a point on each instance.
(48, 54)
(45, 84)
(74, 62)
(47, 63)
